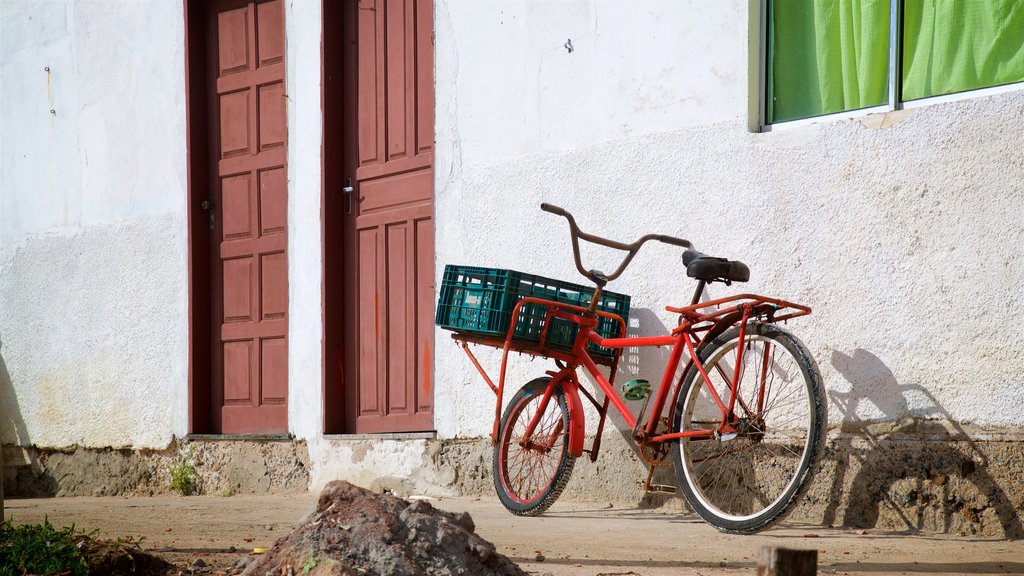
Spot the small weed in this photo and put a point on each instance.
(129, 542)
(183, 474)
(310, 564)
(42, 550)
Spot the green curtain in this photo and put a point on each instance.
(826, 56)
(955, 45)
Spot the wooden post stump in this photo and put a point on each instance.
(787, 562)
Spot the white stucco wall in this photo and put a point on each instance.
(634, 68)
(907, 241)
(305, 227)
(93, 282)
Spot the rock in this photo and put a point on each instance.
(356, 531)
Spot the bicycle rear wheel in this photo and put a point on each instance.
(529, 476)
(748, 480)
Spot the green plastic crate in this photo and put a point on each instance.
(481, 300)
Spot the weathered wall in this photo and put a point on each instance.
(201, 466)
(93, 283)
(903, 235)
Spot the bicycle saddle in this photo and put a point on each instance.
(712, 269)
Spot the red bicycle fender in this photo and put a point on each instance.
(577, 420)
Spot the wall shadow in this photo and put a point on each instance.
(920, 464)
(12, 425)
(19, 480)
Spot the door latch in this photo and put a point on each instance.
(208, 206)
(347, 191)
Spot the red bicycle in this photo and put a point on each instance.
(743, 425)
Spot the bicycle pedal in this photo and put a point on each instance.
(636, 389)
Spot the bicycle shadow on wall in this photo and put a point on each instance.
(921, 470)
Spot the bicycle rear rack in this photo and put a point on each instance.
(750, 303)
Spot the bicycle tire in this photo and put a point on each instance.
(761, 473)
(528, 481)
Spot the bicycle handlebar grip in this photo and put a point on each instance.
(674, 241)
(553, 209)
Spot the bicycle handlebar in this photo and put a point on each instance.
(595, 276)
(554, 209)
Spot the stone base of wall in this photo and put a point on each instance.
(923, 476)
(916, 476)
(226, 467)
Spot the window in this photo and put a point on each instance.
(829, 56)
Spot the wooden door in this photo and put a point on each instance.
(248, 200)
(388, 234)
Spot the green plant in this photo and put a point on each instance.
(310, 564)
(183, 474)
(129, 542)
(41, 549)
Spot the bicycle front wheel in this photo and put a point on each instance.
(530, 473)
(748, 478)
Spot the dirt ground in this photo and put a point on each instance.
(575, 539)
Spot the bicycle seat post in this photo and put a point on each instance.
(697, 293)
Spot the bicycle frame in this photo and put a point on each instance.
(696, 326)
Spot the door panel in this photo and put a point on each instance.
(248, 183)
(392, 192)
(388, 236)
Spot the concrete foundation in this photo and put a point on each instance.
(221, 467)
(912, 475)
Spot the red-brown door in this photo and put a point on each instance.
(248, 202)
(388, 239)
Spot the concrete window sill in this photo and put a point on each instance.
(235, 437)
(393, 436)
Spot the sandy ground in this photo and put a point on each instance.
(575, 539)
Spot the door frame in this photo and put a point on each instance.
(335, 145)
(197, 160)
